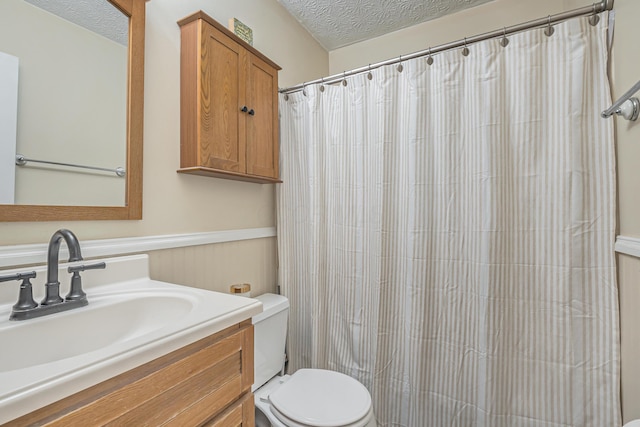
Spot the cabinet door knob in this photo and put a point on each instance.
(244, 109)
(251, 112)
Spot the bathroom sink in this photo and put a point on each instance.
(130, 320)
(73, 333)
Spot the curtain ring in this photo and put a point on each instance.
(322, 84)
(504, 41)
(429, 58)
(304, 90)
(594, 19)
(286, 96)
(400, 67)
(369, 75)
(549, 30)
(344, 78)
(465, 50)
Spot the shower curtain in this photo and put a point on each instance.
(446, 231)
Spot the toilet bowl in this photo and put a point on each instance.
(308, 397)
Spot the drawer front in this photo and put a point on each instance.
(217, 384)
(240, 414)
(184, 388)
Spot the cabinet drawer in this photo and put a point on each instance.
(184, 388)
(241, 413)
(210, 378)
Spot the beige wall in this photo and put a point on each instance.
(628, 280)
(625, 72)
(256, 261)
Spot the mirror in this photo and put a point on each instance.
(96, 120)
(66, 56)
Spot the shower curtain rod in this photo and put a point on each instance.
(595, 8)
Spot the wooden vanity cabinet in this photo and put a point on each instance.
(228, 105)
(207, 383)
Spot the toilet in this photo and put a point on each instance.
(308, 397)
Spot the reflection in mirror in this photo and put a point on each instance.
(72, 59)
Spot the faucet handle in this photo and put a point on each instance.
(83, 267)
(25, 297)
(75, 292)
(18, 276)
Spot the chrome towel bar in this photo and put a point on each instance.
(22, 161)
(629, 110)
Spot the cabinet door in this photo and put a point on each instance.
(262, 127)
(223, 87)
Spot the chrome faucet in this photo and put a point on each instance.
(27, 308)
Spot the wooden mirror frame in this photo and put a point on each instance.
(135, 10)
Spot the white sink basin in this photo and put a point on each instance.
(130, 320)
(81, 331)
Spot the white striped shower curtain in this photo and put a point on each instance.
(445, 234)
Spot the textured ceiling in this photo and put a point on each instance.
(98, 16)
(338, 23)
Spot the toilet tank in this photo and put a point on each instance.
(270, 336)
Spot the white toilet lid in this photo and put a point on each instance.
(320, 398)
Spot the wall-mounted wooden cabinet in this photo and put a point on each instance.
(228, 104)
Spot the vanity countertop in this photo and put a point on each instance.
(130, 320)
